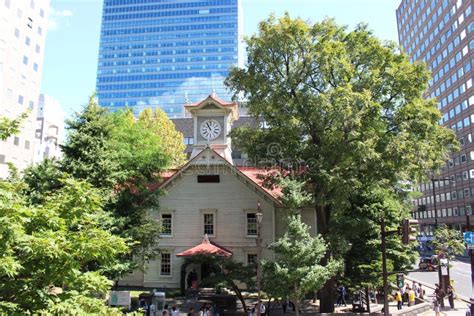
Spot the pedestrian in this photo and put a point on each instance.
(411, 297)
(436, 306)
(342, 292)
(263, 309)
(174, 311)
(165, 313)
(414, 287)
(451, 296)
(421, 291)
(439, 294)
(191, 311)
(152, 309)
(398, 298)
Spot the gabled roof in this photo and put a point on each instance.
(215, 100)
(252, 176)
(206, 248)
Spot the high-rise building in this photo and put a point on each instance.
(49, 129)
(23, 25)
(440, 34)
(165, 53)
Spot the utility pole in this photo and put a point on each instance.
(384, 269)
(259, 217)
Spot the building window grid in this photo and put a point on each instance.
(165, 264)
(251, 224)
(166, 224)
(209, 224)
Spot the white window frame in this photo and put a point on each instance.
(246, 212)
(214, 221)
(166, 251)
(172, 223)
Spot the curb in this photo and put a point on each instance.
(427, 285)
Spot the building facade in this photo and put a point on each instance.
(441, 34)
(165, 53)
(23, 25)
(212, 199)
(49, 129)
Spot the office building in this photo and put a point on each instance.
(49, 129)
(440, 33)
(165, 53)
(23, 25)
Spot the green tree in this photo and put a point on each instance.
(359, 227)
(57, 253)
(296, 270)
(159, 122)
(448, 241)
(10, 127)
(342, 105)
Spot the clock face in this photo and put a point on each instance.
(210, 129)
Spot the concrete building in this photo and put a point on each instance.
(23, 25)
(210, 204)
(165, 53)
(440, 34)
(49, 129)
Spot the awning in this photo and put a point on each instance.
(205, 248)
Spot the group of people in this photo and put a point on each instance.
(409, 294)
(439, 295)
(205, 310)
(254, 310)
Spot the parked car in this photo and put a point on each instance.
(428, 263)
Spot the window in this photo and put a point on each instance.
(27, 144)
(16, 141)
(42, 13)
(35, 67)
(209, 224)
(208, 178)
(166, 224)
(31, 105)
(20, 99)
(17, 33)
(27, 41)
(251, 224)
(251, 259)
(25, 60)
(165, 268)
(7, 4)
(37, 49)
(40, 30)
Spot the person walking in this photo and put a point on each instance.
(436, 306)
(421, 291)
(439, 294)
(451, 296)
(411, 297)
(398, 298)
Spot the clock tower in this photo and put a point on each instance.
(212, 120)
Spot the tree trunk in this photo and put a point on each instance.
(326, 303)
(239, 295)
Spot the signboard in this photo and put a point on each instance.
(444, 266)
(120, 298)
(469, 238)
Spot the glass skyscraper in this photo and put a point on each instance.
(164, 53)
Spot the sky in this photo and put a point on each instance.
(72, 42)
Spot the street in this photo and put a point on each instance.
(460, 272)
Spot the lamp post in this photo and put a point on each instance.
(259, 216)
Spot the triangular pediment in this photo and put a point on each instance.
(210, 106)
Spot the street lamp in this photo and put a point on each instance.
(259, 216)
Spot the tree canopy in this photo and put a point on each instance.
(342, 107)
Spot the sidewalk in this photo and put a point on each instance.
(460, 310)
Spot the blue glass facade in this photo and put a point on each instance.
(163, 53)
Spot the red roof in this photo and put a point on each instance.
(259, 175)
(213, 97)
(205, 248)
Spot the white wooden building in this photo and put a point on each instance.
(210, 196)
